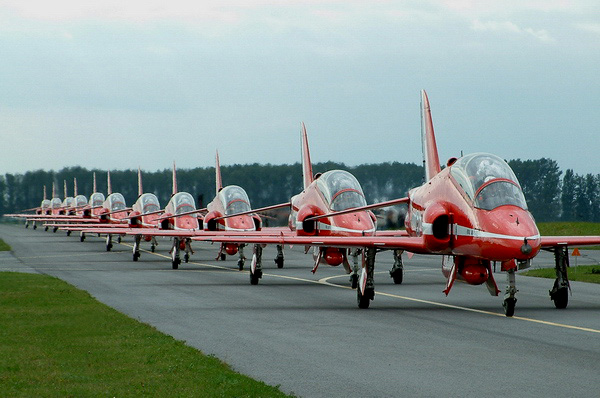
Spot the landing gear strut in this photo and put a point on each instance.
(509, 296)
(560, 291)
(175, 259)
(242, 258)
(366, 288)
(279, 258)
(397, 271)
(354, 277)
(136, 247)
(153, 244)
(256, 265)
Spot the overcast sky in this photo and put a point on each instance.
(121, 84)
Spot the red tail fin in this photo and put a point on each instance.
(74, 187)
(307, 173)
(140, 189)
(45, 193)
(65, 187)
(109, 185)
(174, 179)
(94, 189)
(53, 190)
(431, 160)
(219, 181)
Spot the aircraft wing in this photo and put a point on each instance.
(551, 241)
(412, 244)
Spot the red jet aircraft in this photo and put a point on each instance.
(473, 212)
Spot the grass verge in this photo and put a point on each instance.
(582, 273)
(4, 247)
(568, 228)
(59, 341)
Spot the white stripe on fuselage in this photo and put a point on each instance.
(334, 228)
(459, 230)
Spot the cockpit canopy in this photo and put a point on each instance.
(97, 199)
(183, 202)
(80, 200)
(45, 203)
(116, 202)
(149, 203)
(68, 202)
(234, 199)
(488, 181)
(55, 203)
(341, 190)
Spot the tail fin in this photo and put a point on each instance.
(307, 173)
(45, 193)
(140, 189)
(431, 160)
(65, 187)
(74, 187)
(219, 181)
(95, 187)
(53, 190)
(109, 188)
(174, 179)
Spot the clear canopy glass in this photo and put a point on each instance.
(488, 181)
(116, 202)
(97, 199)
(184, 202)
(149, 203)
(234, 199)
(341, 190)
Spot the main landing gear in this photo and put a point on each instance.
(109, 244)
(81, 236)
(397, 271)
(136, 247)
(560, 291)
(509, 296)
(256, 265)
(241, 258)
(354, 276)
(279, 258)
(366, 286)
(178, 245)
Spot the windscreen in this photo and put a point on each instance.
(184, 202)
(235, 200)
(117, 202)
(488, 181)
(149, 203)
(97, 199)
(341, 190)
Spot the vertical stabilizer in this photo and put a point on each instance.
(74, 187)
(307, 174)
(65, 188)
(431, 160)
(94, 188)
(53, 190)
(219, 181)
(140, 189)
(174, 179)
(109, 188)
(45, 193)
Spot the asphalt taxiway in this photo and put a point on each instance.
(305, 333)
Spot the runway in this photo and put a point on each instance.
(305, 333)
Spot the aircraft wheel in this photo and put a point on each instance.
(254, 277)
(279, 262)
(26, 226)
(186, 258)
(364, 300)
(397, 276)
(55, 229)
(152, 248)
(68, 233)
(119, 239)
(240, 265)
(354, 281)
(82, 238)
(509, 306)
(175, 263)
(108, 246)
(46, 228)
(35, 227)
(561, 298)
(223, 256)
(136, 256)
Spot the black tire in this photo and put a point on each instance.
(354, 281)
(240, 265)
(35, 227)
(68, 233)
(561, 298)
(82, 238)
(254, 277)
(223, 256)
(364, 300)
(175, 263)
(152, 248)
(136, 256)
(54, 229)
(119, 239)
(186, 258)
(397, 276)
(279, 262)
(109, 246)
(509, 306)
(46, 228)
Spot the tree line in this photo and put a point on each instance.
(551, 196)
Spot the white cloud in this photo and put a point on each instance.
(507, 26)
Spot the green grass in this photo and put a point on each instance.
(4, 247)
(582, 273)
(57, 340)
(575, 228)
